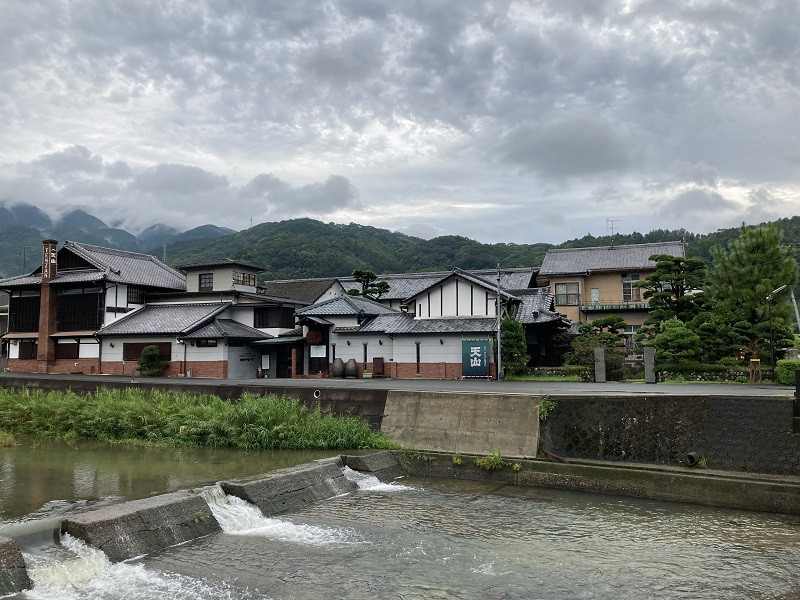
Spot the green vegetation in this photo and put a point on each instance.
(7, 440)
(785, 369)
(370, 288)
(134, 415)
(514, 348)
(457, 460)
(150, 361)
(602, 333)
(545, 407)
(491, 462)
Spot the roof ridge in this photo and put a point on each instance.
(616, 246)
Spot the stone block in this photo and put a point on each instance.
(294, 488)
(384, 465)
(140, 527)
(13, 575)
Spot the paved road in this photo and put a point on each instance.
(458, 385)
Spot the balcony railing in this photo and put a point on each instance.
(605, 305)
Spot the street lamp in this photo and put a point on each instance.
(770, 298)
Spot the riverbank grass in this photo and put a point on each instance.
(135, 415)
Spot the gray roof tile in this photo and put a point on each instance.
(568, 261)
(345, 306)
(119, 266)
(403, 323)
(305, 290)
(167, 319)
(227, 328)
(537, 305)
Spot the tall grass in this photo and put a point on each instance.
(251, 422)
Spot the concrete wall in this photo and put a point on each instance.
(461, 422)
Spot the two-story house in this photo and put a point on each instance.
(591, 283)
(55, 311)
(223, 325)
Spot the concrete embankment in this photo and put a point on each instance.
(763, 493)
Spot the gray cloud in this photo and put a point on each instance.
(182, 107)
(575, 147)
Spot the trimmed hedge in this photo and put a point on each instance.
(784, 371)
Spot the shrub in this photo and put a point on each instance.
(151, 362)
(784, 371)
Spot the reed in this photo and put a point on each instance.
(251, 422)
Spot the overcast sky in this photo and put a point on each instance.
(500, 121)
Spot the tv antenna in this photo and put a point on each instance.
(611, 226)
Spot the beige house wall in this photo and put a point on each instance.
(609, 286)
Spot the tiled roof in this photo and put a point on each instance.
(537, 305)
(404, 323)
(118, 266)
(167, 319)
(222, 262)
(305, 290)
(607, 258)
(403, 286)
(129, 267)
(345, 306)
(227, 328)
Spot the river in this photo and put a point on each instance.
(435, 539)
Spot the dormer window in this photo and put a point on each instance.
(206, 282)
(244, 278)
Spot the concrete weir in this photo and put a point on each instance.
(291, 489)
(139, 527)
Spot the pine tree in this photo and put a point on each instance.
(513, 344)
(742, 283)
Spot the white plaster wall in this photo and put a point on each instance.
(243, 314)
(13, 350)
(89, 348)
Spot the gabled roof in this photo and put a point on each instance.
(222, 262)
(107, 264)
(305, 290)
(569, 261)
(164, 319)
(345, 306)
(488, 285)
(227, 328)
(403, 323)
(403, 286)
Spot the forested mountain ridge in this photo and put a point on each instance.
(300, 248)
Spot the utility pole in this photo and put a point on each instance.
(498, 310)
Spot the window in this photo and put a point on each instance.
(206, 343)
(206, 282)
(67, 350)
(244, 278)
(595, 295)
(23, 311)
(630, 293)
(274, 316)
(80, 309)
(568, 294)
(27, 349)
(135, 295)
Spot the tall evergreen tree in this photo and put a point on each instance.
(741, 283)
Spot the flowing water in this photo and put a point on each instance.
(437, 539)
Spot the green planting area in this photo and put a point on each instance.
(135, 415)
